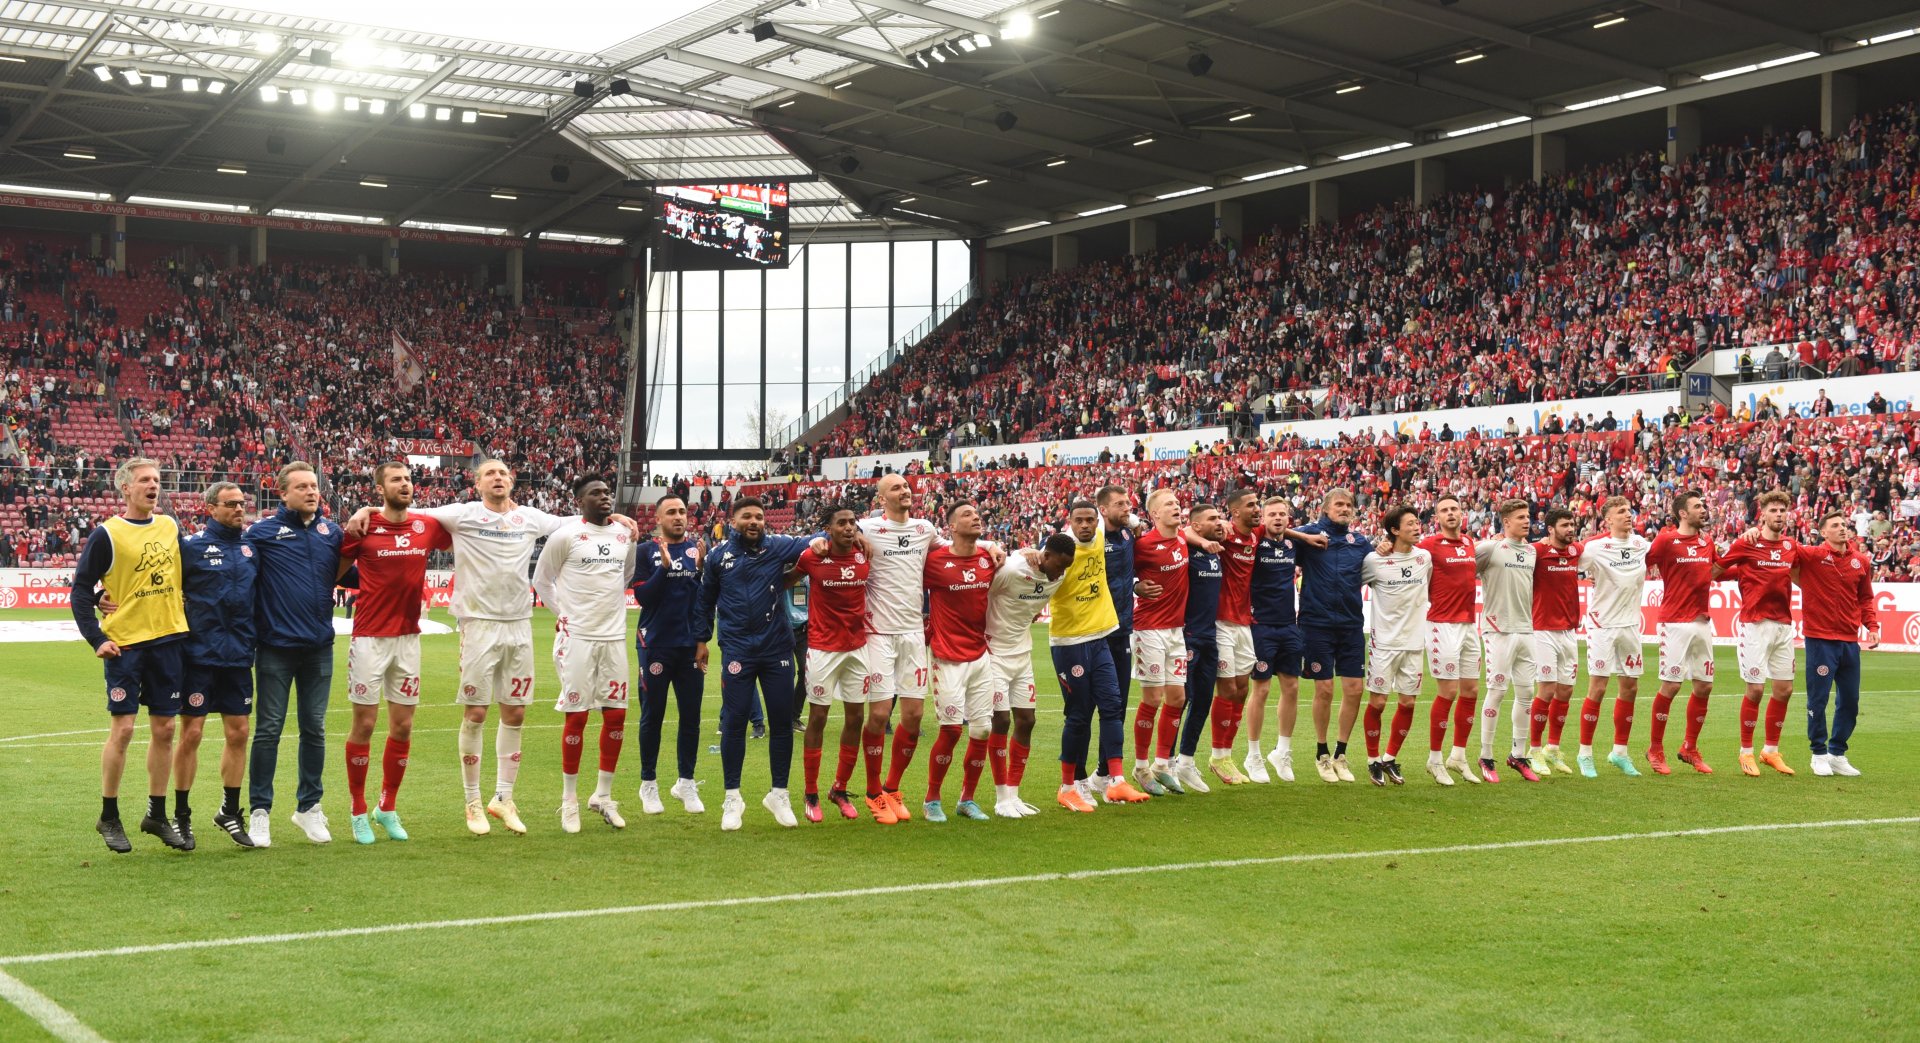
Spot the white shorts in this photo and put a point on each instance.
(1686, 652)
(1555, 656)
(1012, 681)
(1766, 651)
(496, 662)
(1615, 652)
(1453, 651)
(1160, 657)
(1393, 670)
(593, 674)
(837, 675)
(1510, 659)
(963, 692)
(384, 668)
(1235, 644)
(898, 663)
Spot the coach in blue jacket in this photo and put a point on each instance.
(666, 583)
(298, 553)
(219, 568)
(1333, 636)
(742, 582)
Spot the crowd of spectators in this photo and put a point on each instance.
(1605, 279)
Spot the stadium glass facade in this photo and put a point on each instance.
(732, 357)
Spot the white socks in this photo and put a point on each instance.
(570, 788)
(1489, 711)
(1283, 745)
(1521, 713)
(506, 767)
(1253, 747)
(1619, 750)
(604, 787)
(470, 735)
(1585, 750)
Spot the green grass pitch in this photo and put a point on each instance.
(1757, 934)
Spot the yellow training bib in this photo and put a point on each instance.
(144, 580)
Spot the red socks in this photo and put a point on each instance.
(1657, 737)
(843, 774)
(573, 735)
(1557, 720)
(1169, 731)
(1537, 720)
(1696, 719)
(1115, 770)
(1372, 727)
(1589, 719)
(970, 771)
(873, 744)
(1017, 762)
(997, 758)
(1402, 724)
(393, 767)
(1225, 721)
(1143, 718)
(1463, 710)
(810, 764)
(1622, 721)
(358, 754)
(1749, 719)
(1776, 718)
(1437, 715)
(1066, 774)
(613, 729)
(903, 747)
(937, 763)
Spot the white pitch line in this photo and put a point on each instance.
(942, 885)
(57, 1020)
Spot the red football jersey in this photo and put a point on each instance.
(1237, 551)
(957, 592)
(1836, 593)
(1162, 560)
(1450, 591)
(393, 572)
(1556, 586)
(1765, 574)
(1686, 574)
(836, 599)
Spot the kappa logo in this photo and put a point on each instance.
(733, 667)
(656, 669)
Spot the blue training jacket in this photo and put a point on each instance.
(219, 567)
(1330, 578)
(667, 587)
(1203, 596)
(293, 595)
(1120, 575)
(743, 586)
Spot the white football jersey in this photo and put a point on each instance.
(896, 586)
(582, 575)
(1018, 594)
(1399, 583)
(1618, 569)
(490, 557)
(1506, 584)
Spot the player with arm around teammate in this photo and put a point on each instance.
(1332, 630)
(1021, 589)
(1399, 580)
(1159, 643)
(1453, 641)
(958, 575)
(666, 583)
(1201, 630)
(1506, 575)
(1763, 566)
(219, 570)
(836, 668)
(1556, 612)
(1276, 641)
(1837, 611)
(1617, 565)
(1685, 556)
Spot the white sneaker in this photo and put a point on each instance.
(1089, 791)
(650, 798)
(1027, 810)
(1457, 763)
(1439, 773)
(313, 822)
(1340, 768)
(258, 829)
(1282, 764)
(477, 818)
(569, 816)
(687, 792)
(1189, 775)
(1256, 768)
(508, 812)
(1007, 803)
(1821, 765)
(732, 808)
(1838, 762)
(609, 810)
(781, 805)
(1324, 765)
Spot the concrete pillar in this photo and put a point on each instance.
(233, 255)
(1683, 131)
(1429, 180)
(96, 243)
(1323, 202)
(393, 255)
(1143, 236)
(1839, 101)
(993, 268)
(1227, 221)
(119, 244)
(259, 252)
(1066, 252)
(1549, 155)
(516, 273)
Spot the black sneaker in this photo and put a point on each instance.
(759, 729)
(184, 826)
(163, 828)
(235, 826)
(114, 834)
(1392, 769)
(1375, 774)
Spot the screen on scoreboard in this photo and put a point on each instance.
(713, 227)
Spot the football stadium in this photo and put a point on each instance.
(921, 519)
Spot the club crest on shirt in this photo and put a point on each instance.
(246, 552)
(418, 526)
(324, 529)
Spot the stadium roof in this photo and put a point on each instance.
(905, 118)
